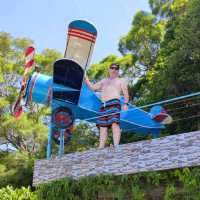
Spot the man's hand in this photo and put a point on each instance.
(125, 107)
(85, 78)
(124, 88)
(87, 81)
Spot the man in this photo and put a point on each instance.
(110, 88)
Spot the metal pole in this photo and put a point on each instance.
(61, 147)
(49, 143)
(155, 133)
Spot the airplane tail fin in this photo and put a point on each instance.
(159, 114)
(81, 39)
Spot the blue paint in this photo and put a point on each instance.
(40, 89)
(84, 25)
(58, 87)
(156, 110)
(155, 133)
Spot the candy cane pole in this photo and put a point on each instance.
(29, 63)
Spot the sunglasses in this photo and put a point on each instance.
(115, 68)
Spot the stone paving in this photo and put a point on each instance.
(176, 151)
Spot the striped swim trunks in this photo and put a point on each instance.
(107, 108)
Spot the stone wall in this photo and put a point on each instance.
(169, 152)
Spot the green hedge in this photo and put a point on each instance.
(167, 185)
(176, 184)
(9, 193)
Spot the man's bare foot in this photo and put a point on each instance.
(116, 147)
(111, 149)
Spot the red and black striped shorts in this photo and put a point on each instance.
(111, 113)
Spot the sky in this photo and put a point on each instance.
(46, 21)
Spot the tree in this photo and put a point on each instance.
(143, 40)
(28, 133)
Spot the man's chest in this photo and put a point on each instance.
(112, 83)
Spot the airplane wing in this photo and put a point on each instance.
(138, 121)
(134, 119)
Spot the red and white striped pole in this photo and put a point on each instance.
(29, 59)
(29, 63)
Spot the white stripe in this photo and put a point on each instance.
(29, 57)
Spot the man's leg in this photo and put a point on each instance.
(103, 137)
(116, 133)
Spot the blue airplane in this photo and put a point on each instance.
(71, 99)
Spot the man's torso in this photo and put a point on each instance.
(111, 89)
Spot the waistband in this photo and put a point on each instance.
(110, 102)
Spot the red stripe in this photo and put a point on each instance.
(29, 64)
(107, 108)
(18, 109)
(106, 125)
(109, 117)
(19, 112)
(29, 50)
(82, 33)
(81, 30)
(82, 37)
(102, 125)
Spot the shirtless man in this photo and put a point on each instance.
(110, 88)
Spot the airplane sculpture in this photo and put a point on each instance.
(69, 96)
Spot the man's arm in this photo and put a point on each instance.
(125, 93)
(96, 86)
